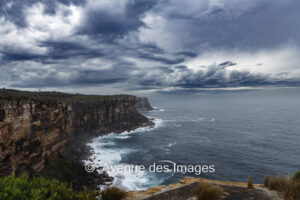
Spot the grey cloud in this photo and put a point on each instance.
(227, 63)
(227, 24)
(215, 76)
(186, 53)
(181, 67)
(58, 75)
(111, 24)
(114, 38)
(161, 59)
(58, 50)
(14, 10)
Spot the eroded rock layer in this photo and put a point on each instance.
(36, 125)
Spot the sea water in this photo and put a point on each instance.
(240, 133)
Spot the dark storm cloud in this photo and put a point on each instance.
(161, 59)
(187, 53)
(181, 67)
(89, 77)
(79, 77)
(228, 24)
(18, 56)
(13, 10)
(57, 51)
(214, 76)
(112, 37)
(64, 50)
(151, 48)
(109, 23)
(227, 63)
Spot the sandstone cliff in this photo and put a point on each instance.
(37, 125)
(143, 104)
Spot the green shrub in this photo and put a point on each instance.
(113, 193)
(296, 176)
(207, 192)
(250, 182)
(39, 188)
(60, 168)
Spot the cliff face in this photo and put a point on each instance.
(143, 104)
(31, 128)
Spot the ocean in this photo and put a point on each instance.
(237, 133)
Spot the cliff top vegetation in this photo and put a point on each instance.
(11, 94)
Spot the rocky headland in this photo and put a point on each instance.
(40, 128)
(143, 104)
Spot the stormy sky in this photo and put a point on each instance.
(112, 46)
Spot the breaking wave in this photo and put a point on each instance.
(105, 151)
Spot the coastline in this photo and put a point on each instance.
(45, 133)
(79, 151)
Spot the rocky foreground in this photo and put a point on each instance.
(184, 188)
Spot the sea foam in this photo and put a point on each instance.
(105, 151)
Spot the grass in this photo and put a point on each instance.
(207, 192)
(267, 181)
(289, 187)
(113, 193)
(250, 182)
(155, 189)
(38, 188)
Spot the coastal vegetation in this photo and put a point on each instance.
(250, 182)
(288, 186)
(39, 188)
(207, 192)
(266, 181)
(48, 97)
(296, 176)
(113, 193)
(67, 170)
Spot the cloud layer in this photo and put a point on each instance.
(149, 44)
